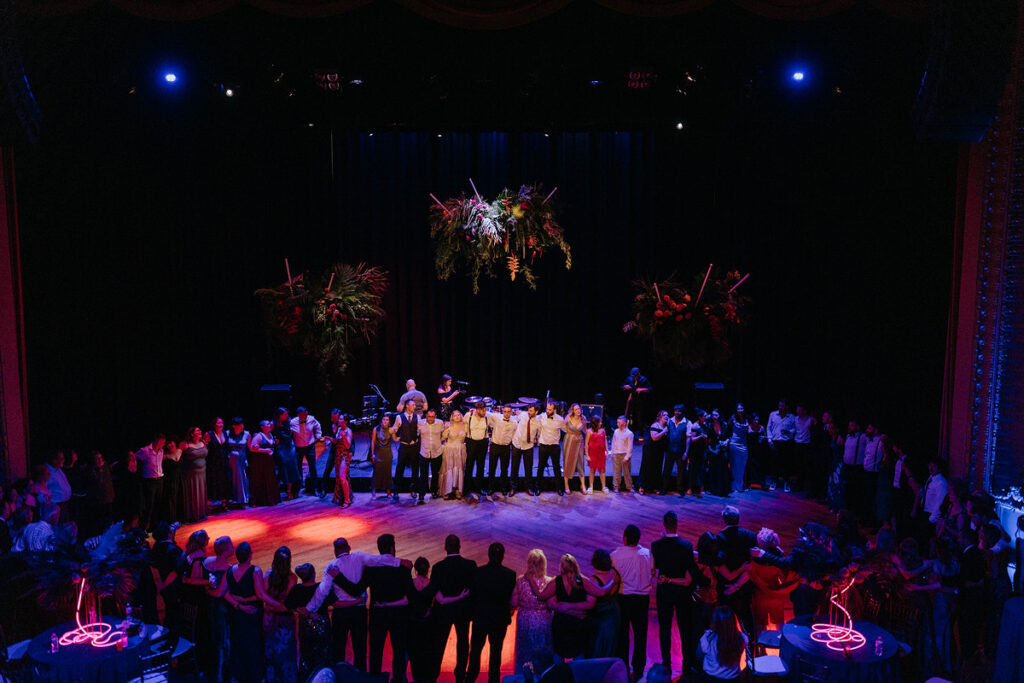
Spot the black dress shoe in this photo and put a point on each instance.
(561, 493)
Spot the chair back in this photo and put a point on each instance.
(161, 651)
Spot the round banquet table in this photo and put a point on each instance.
(85, 663)
(802, 654)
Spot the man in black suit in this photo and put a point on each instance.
(736, 544)
(677, 575)
(491, 594)
(390, 588)
(450, 583)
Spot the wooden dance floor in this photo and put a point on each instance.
(576, 524)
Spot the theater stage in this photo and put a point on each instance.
(575, 524)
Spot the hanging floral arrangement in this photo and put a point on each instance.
(508, 234)
(690, 326)
(324, 314)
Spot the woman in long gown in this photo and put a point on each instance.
(314, 627)
(382, 454)
(218, 483)
(236, 444)
(533, 620)
(453, 458)
(739, 432)
(281, 645)
(284, 453)
(245, 594)
(341, 444)
(572, 447)
(218, 567)
(720, 483)
(571, 603)
(655, 447)
(605, 585)
(195, 579)
(193, 475)
(171, 503)
(262, 481)
(420, 637)
(596, 446)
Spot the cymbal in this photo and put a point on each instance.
(528, 400)
(474, 399)
(519, 404)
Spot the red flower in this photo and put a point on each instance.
(678, 318)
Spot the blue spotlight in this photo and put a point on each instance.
(171, 77)
(798, 76)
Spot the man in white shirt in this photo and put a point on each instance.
(415, 395)
(869, 479)
(634, 565)
(306, 432)
(933, 494)
(477, 425)
(781, 429)
(349, 612)
(60, 488)
(150, 459)
(803, 462)
(523, 442)
(622, 455)
(550, 425)
(430, 430)
(503, 428)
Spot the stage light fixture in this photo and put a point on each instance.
(798, 76)
(595, 82)
(228, 92)
(171, 77)
(356, 81)
(680, 125)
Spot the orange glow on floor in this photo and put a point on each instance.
(325, 529)
(238, 528)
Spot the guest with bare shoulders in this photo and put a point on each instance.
(245, 592)
(572, 447)
(534, 651)
(421, 624)
(279, 626)
(606, 587)
(568, 597)
(217, 568)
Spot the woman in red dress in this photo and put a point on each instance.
(596, 447)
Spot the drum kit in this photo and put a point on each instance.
(523, 403)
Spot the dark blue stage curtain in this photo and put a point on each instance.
(477, 14)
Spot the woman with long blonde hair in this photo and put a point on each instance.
(453, 458)
(572, 447)
(533, 624)
(568, 597)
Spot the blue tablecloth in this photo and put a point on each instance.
(85, 663)
(802, 654)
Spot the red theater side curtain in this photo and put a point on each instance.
(477, 14)
(13, 389)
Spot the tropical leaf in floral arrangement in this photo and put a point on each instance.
(508, 234)
(690, 326)
(327, 314)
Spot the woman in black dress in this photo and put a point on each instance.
(568, 597)
(195, 579)
(421, 625)
(193, 475)
(655, 446)
(446, 398)
(218, 483)
(245, 594)
(314, 627)
(718, 456)
(263, 484)
(218, 567)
